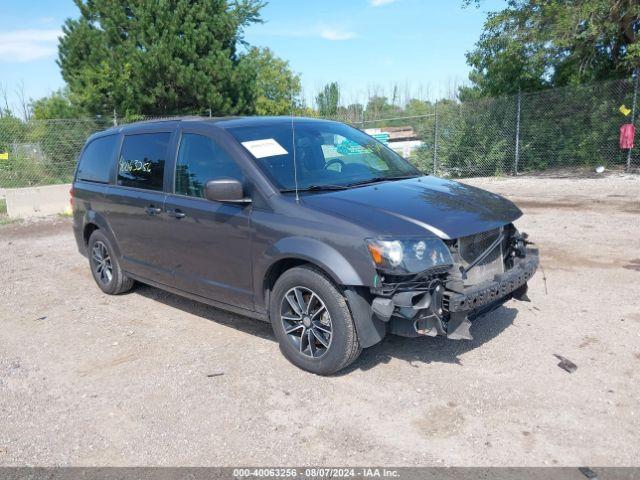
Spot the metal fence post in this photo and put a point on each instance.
(115, 118)
(435, 140)
(517, 159)
(633, 112)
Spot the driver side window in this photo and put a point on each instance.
(200, 159)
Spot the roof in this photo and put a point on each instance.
(223, 122)
(226, 122)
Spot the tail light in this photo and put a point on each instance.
(71, 197)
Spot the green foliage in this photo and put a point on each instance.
(56, 105)
(41, 152)
(537, 44)
(159, 57)
(277, 88)
(379, 107)
(12, 130)
(328, 100)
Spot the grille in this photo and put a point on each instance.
(472, 247)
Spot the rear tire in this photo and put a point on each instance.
(104, 266)
(312, 322)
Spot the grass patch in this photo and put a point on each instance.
(3, 206)
(8, 221)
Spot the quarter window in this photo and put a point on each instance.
(142, 159)
(97, 159)
(200, 159)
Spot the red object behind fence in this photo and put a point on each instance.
(627, 132)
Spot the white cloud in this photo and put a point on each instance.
(327, 32)
(336, 34)
(379, 3)
(20, 46)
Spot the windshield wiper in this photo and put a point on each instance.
(380, 179)
(315, 188)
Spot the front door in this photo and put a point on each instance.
(136, 202)
(211, 240)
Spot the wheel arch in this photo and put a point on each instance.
(329, 262)
(293, 251)
(93, 221)
(88, 229)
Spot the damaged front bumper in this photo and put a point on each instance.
(439, 306)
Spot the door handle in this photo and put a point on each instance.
(177, 213)
(151, 210)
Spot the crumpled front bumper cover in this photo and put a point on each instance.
(502, 285)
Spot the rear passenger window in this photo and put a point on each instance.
(142, 159)
(97, 159)
(201, 160)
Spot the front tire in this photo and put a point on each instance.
(104, 265)
(312, 322)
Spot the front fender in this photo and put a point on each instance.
(316, 252)
(333, 263)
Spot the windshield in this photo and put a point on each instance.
(328, 154)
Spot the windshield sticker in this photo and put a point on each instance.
(264, 148)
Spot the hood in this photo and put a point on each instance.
(443, 208)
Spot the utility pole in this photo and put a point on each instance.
(515, 169)
(633, 112)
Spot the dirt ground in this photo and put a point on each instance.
(149, 378)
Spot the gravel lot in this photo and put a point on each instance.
(149, 378)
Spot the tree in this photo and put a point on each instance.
(157, 57)
(379, 107)
(328, 100)
(537, 44)
(277, 88)
(56, 105)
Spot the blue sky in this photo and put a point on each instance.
(366, 45)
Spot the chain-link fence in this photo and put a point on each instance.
(563, 128)
(567, 127)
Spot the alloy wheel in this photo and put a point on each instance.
(101, 261)
(306, 321)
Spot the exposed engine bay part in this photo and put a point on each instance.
(409, 304)
(497, 242)
(481, 256)
(443, 303)
(458, 327)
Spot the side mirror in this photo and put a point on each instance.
(225, 190)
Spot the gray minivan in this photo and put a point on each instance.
(308, 224)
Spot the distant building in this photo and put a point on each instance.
(402, 140)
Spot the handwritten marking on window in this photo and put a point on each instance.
(134, 166)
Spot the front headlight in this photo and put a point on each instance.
(406, 256)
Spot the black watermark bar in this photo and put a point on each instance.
(239, 473)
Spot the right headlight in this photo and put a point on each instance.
(400, 256)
